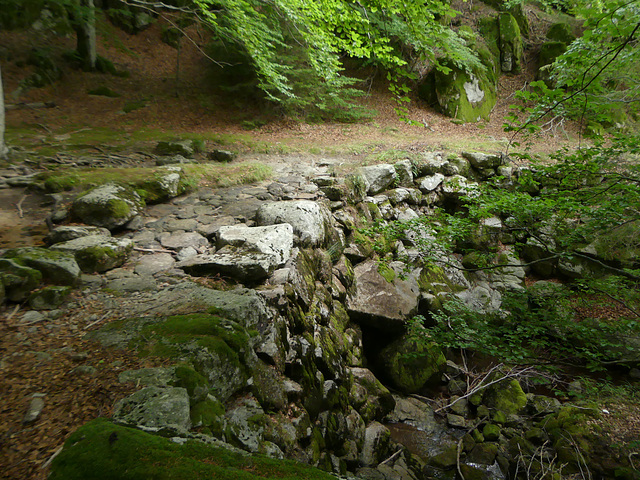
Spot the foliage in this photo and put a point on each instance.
(289, 41)
(596, 78)
(530, 329)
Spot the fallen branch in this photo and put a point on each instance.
(55, 454)
(19, 206)
(391, 457)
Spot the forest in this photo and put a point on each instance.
(372, 239)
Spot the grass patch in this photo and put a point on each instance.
(194, 175)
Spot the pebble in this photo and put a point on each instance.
(34, 410)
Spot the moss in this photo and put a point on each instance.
(510, 44)
(506, 396)
(387, 273)
(197, 385)
(60, 184)
(134, 105)
(49, 297)
(208, 415)
(102, 450)
(491, 432)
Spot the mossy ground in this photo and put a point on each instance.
(102, 450)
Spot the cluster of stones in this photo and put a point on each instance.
(280, 368)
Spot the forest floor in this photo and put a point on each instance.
(81, 122)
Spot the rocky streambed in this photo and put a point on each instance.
(284, 336)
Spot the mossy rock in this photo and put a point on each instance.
(511, 50)
(506, 396)
(104, 91)
(102, 450)
(410, 364)
(196, 384)
(18, 279)
(97, 253)
(56, 267)
(549, 51)
(468, 97)
(186, 148)
(208, 416)
(111, 206)
(49, 297)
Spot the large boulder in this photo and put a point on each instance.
(372, 399)
(382, 301)
(310, 220)
(97, 253)
(56, 267)
(465, 96)
(110, 206)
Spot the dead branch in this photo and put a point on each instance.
(19, 205)
(152, 250)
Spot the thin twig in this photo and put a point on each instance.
(55, 454)
(391, 457)
(19, 205)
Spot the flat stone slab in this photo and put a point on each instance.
(310, 220)
(155, 407)
(274, 240)
(152, 264)
(178, 240)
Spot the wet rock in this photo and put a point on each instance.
(110, 206)
(156, 407)
(97, 253)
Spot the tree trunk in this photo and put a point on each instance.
(85, 27)
(4, 151)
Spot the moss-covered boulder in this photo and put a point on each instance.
(57, 267)
(97, 253)
(18, 279)
(164, 185)
(110, 206)
(466, 96)
(506, 396)
(410, 364)
(511, 49)
(102, 450)
(186, 148)
(372, 399)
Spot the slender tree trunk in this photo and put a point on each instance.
(4, 151)
(85, 27)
